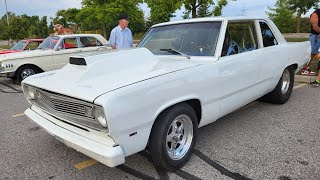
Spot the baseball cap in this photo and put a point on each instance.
(123, 16)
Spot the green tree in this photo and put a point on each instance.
(193, 5)
(196, 6)
(70, 15)
(305, 25)
(217, 11)
(282, 16)
(18, 28)
(4, 28)
(32, 24)
(301, 7)
(60, 18)
(23, 26)
(67, 17)
(203, 10)
(102, 14)
(42, 27)
(3, 31)
(161, 10)
(186, 14)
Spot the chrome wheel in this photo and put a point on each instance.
(26, 73)
(179, 137)
(285, 81)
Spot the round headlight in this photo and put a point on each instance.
(100, 116)
(31, 92)
(2, 67)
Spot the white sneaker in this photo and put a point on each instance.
(308, 72)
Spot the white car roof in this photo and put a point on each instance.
(206, 19)
(77, 35)
(98, 36)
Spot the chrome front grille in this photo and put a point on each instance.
(67, 108)
(64, 105)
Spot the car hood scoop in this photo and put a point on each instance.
(78, 61)
(93, 74)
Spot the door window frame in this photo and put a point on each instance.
(62, 41)
(256, 26)
(97, 40)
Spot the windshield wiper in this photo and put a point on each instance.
(173, 51)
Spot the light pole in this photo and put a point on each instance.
(5, 1)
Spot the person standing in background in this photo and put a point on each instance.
(314, 40)
(121, 36)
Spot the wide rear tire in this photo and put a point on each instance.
(283, 90)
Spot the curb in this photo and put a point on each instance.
(304, 79)
(296, 35)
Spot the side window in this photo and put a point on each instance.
(89, 42)
(32, 46)
(240, 37)
(70, 43)
(267, 35)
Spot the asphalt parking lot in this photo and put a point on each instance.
(258, 141)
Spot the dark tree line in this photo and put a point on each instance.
(102, 15)
(23, 26)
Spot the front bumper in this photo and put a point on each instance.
(7, 74)
(108, 155)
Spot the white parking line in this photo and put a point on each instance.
(299, 86)
(18, 115)
(85, 164)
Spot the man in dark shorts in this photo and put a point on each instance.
(314, 40)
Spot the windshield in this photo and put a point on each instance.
(193, 39)
(49, 42)
(19, 45)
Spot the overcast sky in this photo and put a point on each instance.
(38, 7)
(50, 7)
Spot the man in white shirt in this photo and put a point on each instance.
(121, 36)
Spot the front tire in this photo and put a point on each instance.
(24, 72)
(173, 137)
(283, 90)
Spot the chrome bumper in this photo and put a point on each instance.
(7, 74)
(108, 155)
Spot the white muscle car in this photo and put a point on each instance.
(183, 75)
(53, 53)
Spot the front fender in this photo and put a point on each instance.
(131, 111)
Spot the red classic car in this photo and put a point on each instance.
(27, 44)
